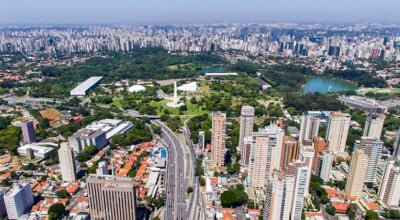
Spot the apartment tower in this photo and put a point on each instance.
(374, 125)
(246, 124)
(319, 146)
(338, 128)
(218, 138)
(289, 151)
(265, 155)
(357, 174)
(373, 148)
(324, 165)
(28, 132)
(389, 189)
(309, 128)
(67, 163)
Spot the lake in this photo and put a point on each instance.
(213, 69)
(325, 85)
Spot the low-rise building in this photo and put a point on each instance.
(41, 150)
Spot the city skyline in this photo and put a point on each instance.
(184, 12)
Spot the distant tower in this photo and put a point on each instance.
(67, 163)
(309, 128)
(218, 138)
(246, 124)
(374, 125)
(357, 174)
(28, 132)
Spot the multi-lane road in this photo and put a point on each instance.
(178, 172)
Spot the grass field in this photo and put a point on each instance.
(51, 114)
(192, 109)
(187, 66)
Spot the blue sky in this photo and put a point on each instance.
(196, 11)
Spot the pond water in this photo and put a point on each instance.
(213, 69)
(325, 85)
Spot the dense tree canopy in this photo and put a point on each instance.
(232, 198)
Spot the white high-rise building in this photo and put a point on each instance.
(373, 148)
(265, 153)
(396, 147)
(309, 128)
(287, 189)
(18, 200)
(338, 129)
(67, 163)
(374, 125)
(389, 189)
(306, 155)
(324, 165)
(102, 168)
(300, 191)
(279, 196)
(286, 192)
(246, 124)
(357, 174)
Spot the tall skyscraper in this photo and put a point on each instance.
(67, 163)
(246, 124)
(309, 128)
(218, 138)
(374, 125)
(389, 189)
(324, 165)
(373, 148)
(289, 151)
(202, 140)
(111, 197)
(279, 196)
(396, 147)
(287, 188)
(357, 174)
(18, 200)
(28, 132)
(319, 146)
(265, 155)
(306, 155)
(338, 129)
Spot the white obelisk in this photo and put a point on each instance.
(175, 95)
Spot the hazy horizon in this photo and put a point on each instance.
(50, 12)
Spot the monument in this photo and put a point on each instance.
(175, 100)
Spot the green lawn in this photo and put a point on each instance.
(187, 66)
(192, 109)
